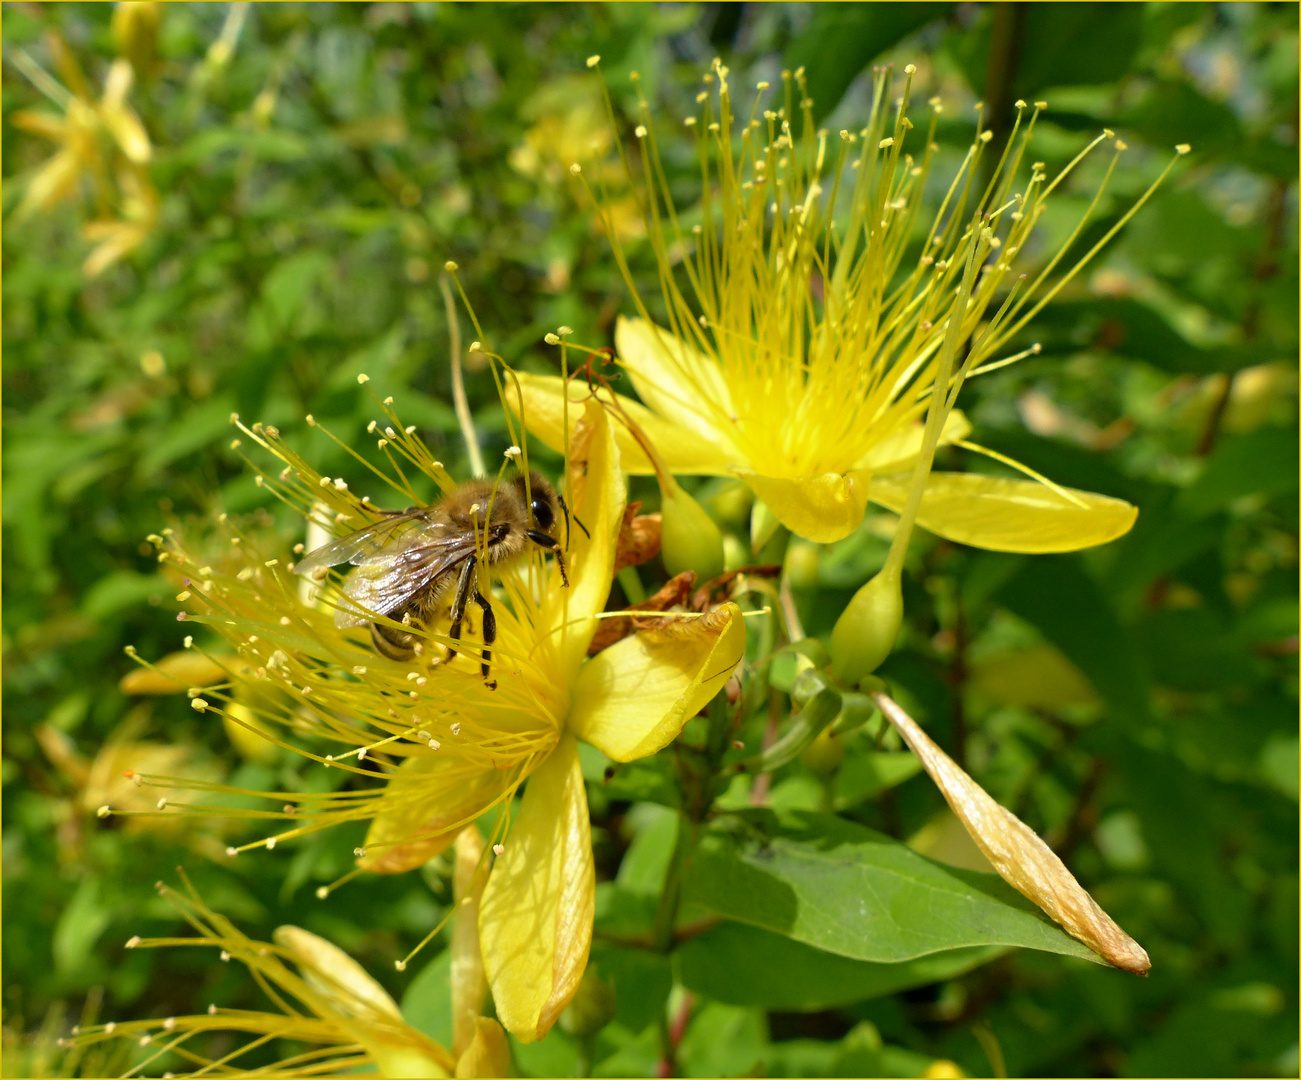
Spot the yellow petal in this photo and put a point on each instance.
(1022, 860)
(469, 987)
(536, 922)
(429, 799)
(55, 181)
(597, 497)
(249, 733)
(178, 671)
(900, 448)
(336, 975)
(1009, 515)
(488, 1054)
(633, 698)
(676, 380)
(821, 508)
(46, 125)
(124, 125)
(364, 1007)
(683, 450)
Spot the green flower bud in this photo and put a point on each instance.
(865, 632)
(592, 1008)
(763, 524)
(808, 684)
(689, 539)
(735, 553)
(824, 754)
(802, 561)
(732, 504)
(856, 711)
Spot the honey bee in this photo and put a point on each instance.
(408, 563)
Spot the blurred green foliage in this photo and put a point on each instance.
(1135, 704)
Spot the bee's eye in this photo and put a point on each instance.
(542, 515)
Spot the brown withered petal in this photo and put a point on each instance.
(720, 587)
(677, 590)
(639, 538)
(1022, 859)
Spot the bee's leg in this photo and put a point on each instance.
(464, 586)
(489, 636)
(549, 544)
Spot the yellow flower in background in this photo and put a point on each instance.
(343, 1022)
(430, 744)
(102, 140)
(816, 335)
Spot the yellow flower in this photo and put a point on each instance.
(432, 746)
(345, 1022)
(103, 140)
(817, 332)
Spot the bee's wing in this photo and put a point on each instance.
(357, 546)
(388, 581)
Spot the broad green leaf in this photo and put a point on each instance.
(427, 1004)
(722, 1040)
(863, 776)
(647, 859)
(1009, 515)
(1130, 328)
(1261, 463)
(1039, 677)
(1067, 605)
(1190, 649)
(120, 590)
(641, 981)
(841, 40)
(1083, 44)
(840, 887)
(285, 289)
(744, 965)
(1164, 539)
(198, 428)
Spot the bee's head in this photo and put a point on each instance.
(544, 506)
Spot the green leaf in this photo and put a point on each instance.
(641, 981)
(1162, 540)
(1189, 649)
(646, 861)
(1067, 605)
(840, 887)
(118, 591)
(863, 776)
(1263, 462)
(843, 39)
(1129, 328)
(285, 289)
(1175, 111)
(1060, 45)
(427, 1004)
(556, 1055)
(79, 927)
(744, 965)
(722, 1040)
(197, 428)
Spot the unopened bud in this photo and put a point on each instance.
(824, 754)
(591, 1009)
(865, 633)
(689, 539)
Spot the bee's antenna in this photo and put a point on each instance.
(579, 522)
(565, 507)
